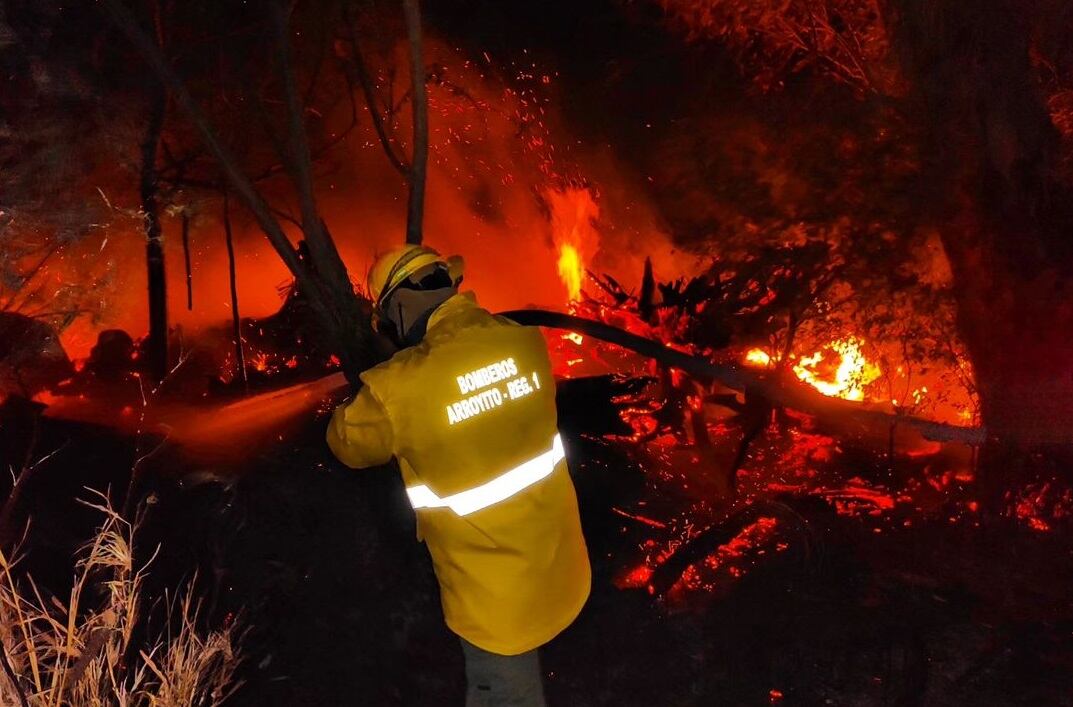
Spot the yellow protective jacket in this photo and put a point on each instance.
(470, 415)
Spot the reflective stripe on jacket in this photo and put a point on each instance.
(470, 415)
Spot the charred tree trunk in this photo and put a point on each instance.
(236, 317)
(340, 307)
(646, 301)
(186, 262)
(1006, 221)
(419, 162)
(776, 390)
(157, 342)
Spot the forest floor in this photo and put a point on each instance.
(868, 582)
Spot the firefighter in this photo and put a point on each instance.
(467, 407)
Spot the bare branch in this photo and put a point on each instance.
(367, 88)
(241, 184)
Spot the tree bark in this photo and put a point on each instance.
(236, 317)
(186, 262)
(157, 341)
(419, 162)
(348, 323)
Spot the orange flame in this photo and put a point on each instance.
(853, 373)
(570, 270)
(847, 379)
(573, 229)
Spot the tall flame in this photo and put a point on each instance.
(574, 212)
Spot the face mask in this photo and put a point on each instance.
(404, 316)
(386, 327)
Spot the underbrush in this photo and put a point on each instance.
(99, 646)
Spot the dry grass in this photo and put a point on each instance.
(81, 652)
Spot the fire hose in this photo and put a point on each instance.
(764, 385)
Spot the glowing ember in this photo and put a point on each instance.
(261, 361)
(843, 377)
(575, 337)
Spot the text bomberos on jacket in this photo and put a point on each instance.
(486, 394)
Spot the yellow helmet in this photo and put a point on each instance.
(393, 268)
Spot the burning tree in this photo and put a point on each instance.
(964, 105)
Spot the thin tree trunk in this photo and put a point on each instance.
(332, 299)
(186, 261)
(157, 343)
(298, 160)
(419, 162)
(236, 318)
(348, 323)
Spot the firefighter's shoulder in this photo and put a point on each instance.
(380, 376)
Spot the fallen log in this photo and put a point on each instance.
(735, 519)
(780, 390)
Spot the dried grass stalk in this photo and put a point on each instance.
(79, 652)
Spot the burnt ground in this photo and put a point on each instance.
(320, 562)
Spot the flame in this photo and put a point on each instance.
(570, 270)
(853, 373)
(758, 357)
(573, 216)
(847, 379)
